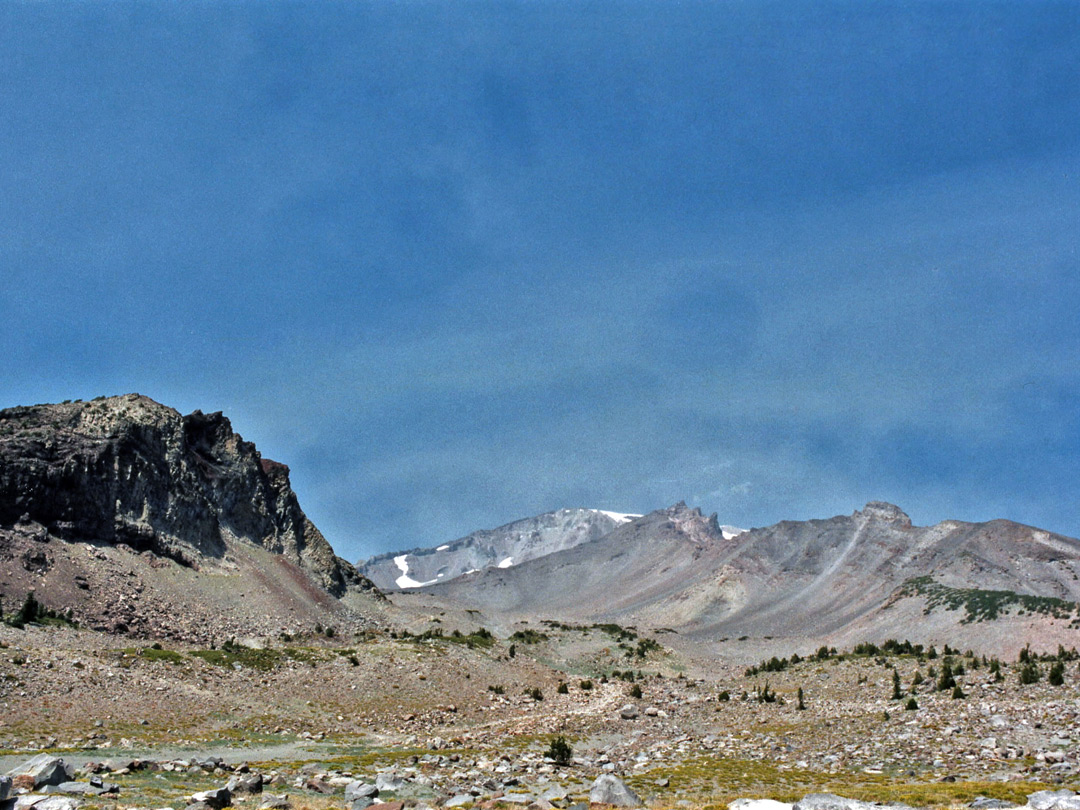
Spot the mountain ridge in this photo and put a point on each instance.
(826, 577)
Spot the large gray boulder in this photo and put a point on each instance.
(217, 799)
(1064, 799)
(41, 770)
(389, 780)
(758, 804)
(360, 790)
(245, 784)
(39, 802)
(830, 801)
(610, 789)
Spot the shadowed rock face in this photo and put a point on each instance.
(128, 470)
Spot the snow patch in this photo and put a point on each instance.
(507, 562)
(442, 548)
(405, 581)
(731, 532)
(618, 517)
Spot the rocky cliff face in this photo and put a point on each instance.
(130, 471)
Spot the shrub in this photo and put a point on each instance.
(958, 693)
(535, 693)
(560, 751)
(911, 705)
(1029, 673)
(586, 685)
(635, 691)
(724, 696)
(946, 681)
(562, 688)
(1057, 674)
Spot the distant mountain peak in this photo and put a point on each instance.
(886, 512)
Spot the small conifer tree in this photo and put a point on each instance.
(560, 751)
(1057, 674)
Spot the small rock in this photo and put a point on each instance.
(984, 803)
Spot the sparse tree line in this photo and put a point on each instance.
(33, 612)
(953, 664)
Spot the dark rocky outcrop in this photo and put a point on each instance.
(128, 471)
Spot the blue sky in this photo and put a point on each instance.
(460, 263)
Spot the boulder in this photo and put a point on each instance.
(39, 802)
(389, 780)
(628, 712)
(245, 785)
(319, 786)
(830, 801)
(610, 789)
(5, 787)
(362, 803)
(459, 800)
(217, 799)
(1054, 800)
(40, 771)
(270, 802)
(94, 787)
(360, 790)
(758, 804)
(984, 803)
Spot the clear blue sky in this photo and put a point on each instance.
(458, 263)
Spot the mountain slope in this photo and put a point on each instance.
(126, 477)
(806, 579)
(503, 547)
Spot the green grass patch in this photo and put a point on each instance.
(265, 659)
(982, 605)
(719, 781)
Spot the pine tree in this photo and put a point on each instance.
(1057, 674)
(29, 612)
(897, 694)
(802, 705)
(946, 681)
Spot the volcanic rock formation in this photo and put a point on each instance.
(129, 473)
